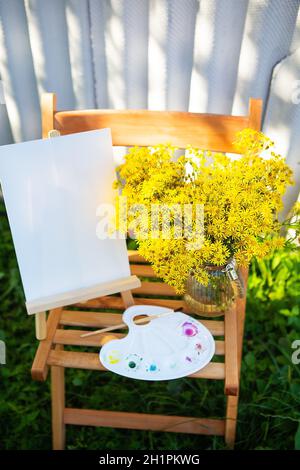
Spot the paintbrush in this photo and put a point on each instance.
(123, 325)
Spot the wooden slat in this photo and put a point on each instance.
(103, 319)
(220, 348)
(143, 270)
(144, 127)
(216, 327)
(90, 361)
(155, 288)
(255, 113)
(39, 368)
(73, 338)
(90, 319)
(135, 257)
(116, 303)
(231, 352)
(142, 421)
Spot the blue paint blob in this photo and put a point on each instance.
(152, 368)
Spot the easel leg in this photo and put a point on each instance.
(58, 406)
(127, 298)
(231, 420)
(40, 325)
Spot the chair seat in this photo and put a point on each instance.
(65, 326)
(90, 361)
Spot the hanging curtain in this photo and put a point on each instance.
(197, 55)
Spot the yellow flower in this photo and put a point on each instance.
(241, 199)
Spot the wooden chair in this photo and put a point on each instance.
(139, 127)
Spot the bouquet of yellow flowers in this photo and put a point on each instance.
(240, 198)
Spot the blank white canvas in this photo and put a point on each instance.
(52, 189)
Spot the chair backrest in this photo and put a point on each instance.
(214, 132)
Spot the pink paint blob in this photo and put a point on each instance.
(189, 329)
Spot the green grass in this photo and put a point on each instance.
(269, 410)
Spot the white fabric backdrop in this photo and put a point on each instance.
(197, 55)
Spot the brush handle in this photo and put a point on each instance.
(124, 325)
(132, 314)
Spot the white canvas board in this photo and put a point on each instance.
(52, 189)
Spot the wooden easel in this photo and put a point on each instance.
(207, 131)
(38, 307)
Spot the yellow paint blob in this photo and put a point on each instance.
(113, 357)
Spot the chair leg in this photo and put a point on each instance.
(58, 406)
(231, 420)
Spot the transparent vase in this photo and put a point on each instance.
(214, 299)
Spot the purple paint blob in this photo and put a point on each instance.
(189, 329)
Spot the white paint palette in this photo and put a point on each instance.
(166, 348)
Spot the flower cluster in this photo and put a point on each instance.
(241, 198)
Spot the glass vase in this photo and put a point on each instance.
(212, 300)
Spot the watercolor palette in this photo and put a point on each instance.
(166, 348)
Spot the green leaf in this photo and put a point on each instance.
(285, 311)
(276, 261)
(278, 293)
(294, 312)
(282, 274)
(77, 382)
(250, 360)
